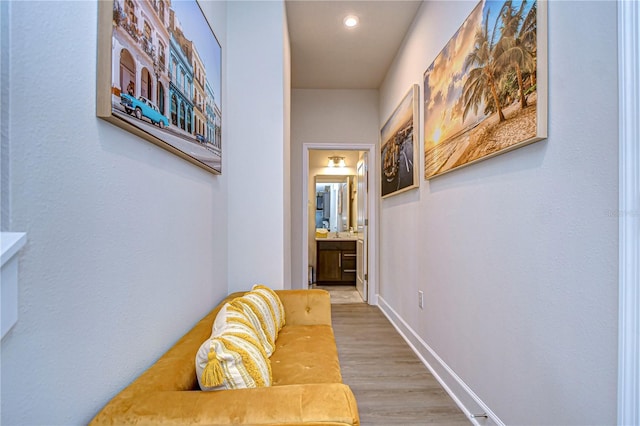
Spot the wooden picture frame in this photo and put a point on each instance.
(399, 146)
(486, 92)
(159, 76)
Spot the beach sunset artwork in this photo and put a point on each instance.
(485, 93)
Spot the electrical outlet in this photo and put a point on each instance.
(421, 299)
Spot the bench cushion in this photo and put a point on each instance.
(305, 354)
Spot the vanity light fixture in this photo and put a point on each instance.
(351, 21)
(336, 162)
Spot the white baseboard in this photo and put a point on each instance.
(470, 404)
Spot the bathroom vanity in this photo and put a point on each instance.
(336, 261)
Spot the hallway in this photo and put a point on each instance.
(390, 383)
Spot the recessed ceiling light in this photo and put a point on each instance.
(351, 21)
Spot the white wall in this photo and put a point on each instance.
(517, 255)
(256, 121)
(126, 241)
(5, 107)
(324, 117)
(287, 155)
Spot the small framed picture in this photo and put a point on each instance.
(399, 147)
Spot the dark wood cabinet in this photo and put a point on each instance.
(336, 262)
(329, 265)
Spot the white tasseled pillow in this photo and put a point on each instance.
(233, 357)
(232, 362)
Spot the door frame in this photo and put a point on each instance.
(372, 211)
(362, 260)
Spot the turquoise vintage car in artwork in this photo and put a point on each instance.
(143, 107)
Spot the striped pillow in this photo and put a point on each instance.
(232, 361)
(273, 299)
(232, 357)
(233, 317)
(262, 317)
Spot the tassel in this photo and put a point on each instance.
(212, 375)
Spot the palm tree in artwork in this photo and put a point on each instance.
(481, 80)
(528, 35)
(517, 42)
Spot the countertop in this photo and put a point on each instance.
(354, 238)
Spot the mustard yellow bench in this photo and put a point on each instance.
(306, 389)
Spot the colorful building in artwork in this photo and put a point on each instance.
(199, 96)
(218, 126)
(139, 50)
(213, 118)
(181, 74)
(153, 58)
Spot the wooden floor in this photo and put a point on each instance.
(390, 383)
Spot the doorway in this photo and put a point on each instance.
(339, 206)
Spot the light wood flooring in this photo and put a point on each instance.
(390, 383)
(341, 294)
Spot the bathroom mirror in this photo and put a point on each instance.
(334, 202)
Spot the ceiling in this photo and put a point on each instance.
(327, 55)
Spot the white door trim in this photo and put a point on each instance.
(362, 255)
(372, 209)
(629, 213)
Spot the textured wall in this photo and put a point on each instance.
(126, 242)
(286, 219)
(517, 255)
(255, 166)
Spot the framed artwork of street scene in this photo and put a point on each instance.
(486, 91)
(399, 146)
(159, 76)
